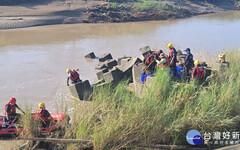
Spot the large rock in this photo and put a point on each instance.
(82, 90)
(90, 55)
(114, 75)
(105, 57)
(145, 49)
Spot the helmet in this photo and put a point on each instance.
(12, 100)
(68, 70)
(196, 62)
(41, 105)
(170, 45)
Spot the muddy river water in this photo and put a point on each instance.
(33, 60)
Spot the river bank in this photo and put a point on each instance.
(15, 14)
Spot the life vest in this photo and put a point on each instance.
(200, 72)
(171, 52)
(149, 58)
(164, 65)
(39, 115)
(12, 109)
(74, 75)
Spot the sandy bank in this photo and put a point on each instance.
(49, 12)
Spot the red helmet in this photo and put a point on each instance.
(12, 100)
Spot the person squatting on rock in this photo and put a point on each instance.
(197, 71)
(188, 62)
(73, 75)
(164, 61)
(43, 115)
(10, 110)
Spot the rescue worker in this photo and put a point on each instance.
(164, 62)
(149, 61)
(43, 115)
(197, 71)
(188, 62)
(10, 110)
(172, 58)
(73, 75)
(157, 55)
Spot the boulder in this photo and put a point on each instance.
(145, 49)
(114, 75)
(105, 57)
(81, 90)
(90, 55)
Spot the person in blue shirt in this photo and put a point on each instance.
(188, 62)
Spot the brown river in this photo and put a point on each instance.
(33, 60)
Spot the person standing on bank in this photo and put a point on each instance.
(73, 75)
(172, 58)
(188, 62)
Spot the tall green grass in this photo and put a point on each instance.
(164, 114)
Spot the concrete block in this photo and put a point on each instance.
(82, 90)
(182, 56)
(207, 72)
(105, 57)
(90, 55)
(114, 75)
(110, 63)
(137, 70)
(101, 72)
(120, 59)
(179, 52)
(145, 49)
(130, 64)
(125, 61)
(100, 66)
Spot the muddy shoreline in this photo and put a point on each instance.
(78, 11)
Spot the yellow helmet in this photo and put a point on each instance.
(41, 105)
(170, 45)
(196, 62)
(68, 70)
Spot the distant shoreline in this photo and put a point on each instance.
(73, 12)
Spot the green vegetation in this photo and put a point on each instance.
(147, 5)
(155, 6)
(164, 114)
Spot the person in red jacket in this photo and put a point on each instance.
(43, 115)
(10, 110)
(73, 75)
(197, 71)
